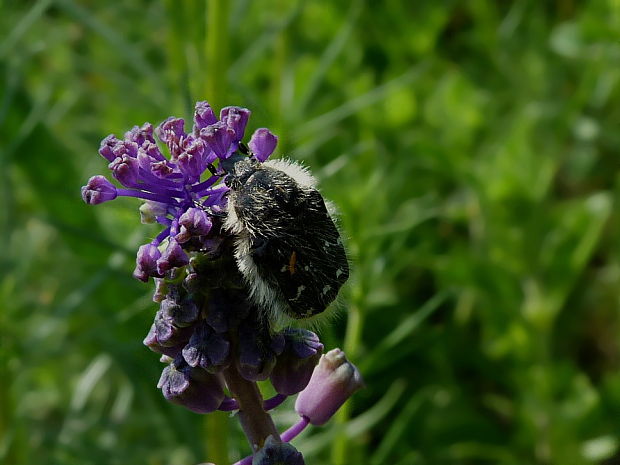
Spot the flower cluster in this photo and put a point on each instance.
(211, 337)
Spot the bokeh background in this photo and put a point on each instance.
(472, 148)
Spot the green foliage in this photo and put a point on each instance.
(472, 150)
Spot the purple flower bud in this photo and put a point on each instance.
(333, 381)
(171, 133)
(207, 349)
(149, 211)
(191, 159)
(295, 365)
(98, 190)
(236, 118)
(257, 352)
(171, 130)
(190, 387)
(218, 137)
(106, 149)
(194, 222)
(161, 169)
(180, 314)
(203, 116)
(125, 148)
(177, 341)
(141, 134)
(173, 257)
(153, 151)
(125, 170)
(263, 143)
(146, 262)
(276, 452)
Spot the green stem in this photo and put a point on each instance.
(216, 52)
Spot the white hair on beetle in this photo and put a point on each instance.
(264, 292)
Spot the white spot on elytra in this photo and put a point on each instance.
(300, 289)
(338, 272)
(326, 289)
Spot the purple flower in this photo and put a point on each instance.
(106, 149)
(194, 222)
(146, 262)
(181, 313)
(178, 191)
(207, 349)
(263, 143)
(173, 257)
(237, 119)
(203, 117)
(141, 134)
(257, 351)
(219, 137)
(152, 342)
(193, 388)
(276, 452)
(333, 381)
(98, 190)
(295, 365)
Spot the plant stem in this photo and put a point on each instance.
(255, 421)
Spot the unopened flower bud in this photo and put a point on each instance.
(146, 262)
(173, 257)
(194, 222)
(237, 119)
(263, 143)
(257, 351)
(333, 381)
(194, 388)
(98, 190)
(203, 116)
(106, 150)
(218, 137)
(207, 349)
(181, 313)
(295, 365)
(276, 452)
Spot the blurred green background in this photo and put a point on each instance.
(472, 148)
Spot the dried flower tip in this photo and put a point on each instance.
(333, 381)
